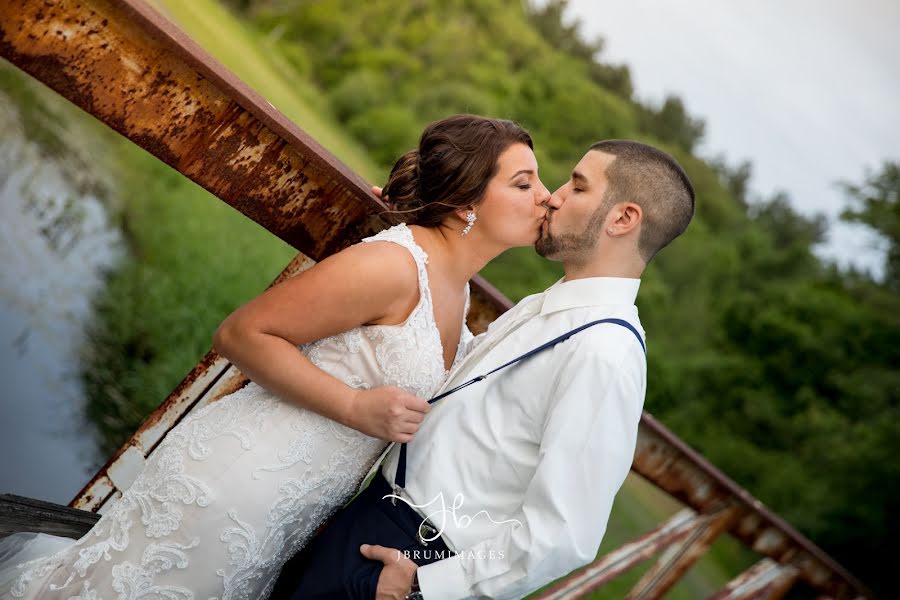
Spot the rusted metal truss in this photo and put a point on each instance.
(766, 580)
(603, 570)
(130, 68)
(679, 557)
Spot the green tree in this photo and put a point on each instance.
(672, 123)
(876, 203)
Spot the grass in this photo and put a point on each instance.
(256, 60)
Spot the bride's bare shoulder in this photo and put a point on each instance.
(363, 284)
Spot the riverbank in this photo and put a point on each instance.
(57, 240)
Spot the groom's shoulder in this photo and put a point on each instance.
(527, 299)
(514, 309)
(611, 338)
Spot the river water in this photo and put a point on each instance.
(55, 241)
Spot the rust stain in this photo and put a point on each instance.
(233, 384)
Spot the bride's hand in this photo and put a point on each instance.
(387, 413)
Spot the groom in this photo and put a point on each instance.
(510, 481)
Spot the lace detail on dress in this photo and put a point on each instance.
(135, 581)
(242, 484)
(422, 329)
(242, 417)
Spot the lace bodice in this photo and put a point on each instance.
(408, 355)
(243, 483)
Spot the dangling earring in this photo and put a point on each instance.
(470, 219)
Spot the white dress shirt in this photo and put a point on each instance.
(532, 457)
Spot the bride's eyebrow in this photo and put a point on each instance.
(528, 171)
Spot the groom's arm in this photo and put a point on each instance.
(586, 451)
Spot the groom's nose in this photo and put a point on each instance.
(555, 200)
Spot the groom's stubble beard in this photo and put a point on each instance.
(572, 247)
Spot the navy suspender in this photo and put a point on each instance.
(400, 478)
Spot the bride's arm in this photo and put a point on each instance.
(364, 284)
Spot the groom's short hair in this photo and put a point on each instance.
(653, 180)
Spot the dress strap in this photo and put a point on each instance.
(402, 235)
(468, 297)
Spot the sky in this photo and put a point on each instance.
(808, 91)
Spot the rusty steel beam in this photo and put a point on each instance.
(673, 466)
(592, 576)
(129, 67)
(766, 580)
(677, 559)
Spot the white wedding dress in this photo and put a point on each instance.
(239, 486)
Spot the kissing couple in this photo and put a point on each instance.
(500, 485)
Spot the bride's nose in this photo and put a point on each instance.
(542, 195)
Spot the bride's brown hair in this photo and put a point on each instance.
(451, 168)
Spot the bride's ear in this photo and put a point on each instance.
(462, 212)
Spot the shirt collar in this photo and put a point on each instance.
(590, 291)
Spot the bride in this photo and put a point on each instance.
(342, 359)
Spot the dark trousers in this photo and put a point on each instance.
(331, 565)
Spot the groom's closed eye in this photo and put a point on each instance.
(579, 182)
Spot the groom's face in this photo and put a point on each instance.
(577, 211)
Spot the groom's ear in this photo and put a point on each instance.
(625, 218)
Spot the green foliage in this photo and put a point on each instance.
(488, 57)
(876, 203)
(358, 92)
(671, 123)
(449, 98)
(41, 123)
(567, 37)
(388, 130)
